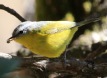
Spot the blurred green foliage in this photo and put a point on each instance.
(8, 65)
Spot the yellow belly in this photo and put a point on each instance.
(49, 45)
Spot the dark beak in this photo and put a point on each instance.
(10, 39)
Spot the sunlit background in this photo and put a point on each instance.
(45, 10)
(8, 22)
(50, 10)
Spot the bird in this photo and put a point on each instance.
(47, 38)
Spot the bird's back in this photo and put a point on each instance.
(51, 40)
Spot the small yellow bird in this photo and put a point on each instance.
(46, 38)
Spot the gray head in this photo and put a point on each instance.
(22, 29)
(25, 27)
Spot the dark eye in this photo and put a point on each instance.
(20, 32)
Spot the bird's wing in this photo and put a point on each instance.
(52, 27)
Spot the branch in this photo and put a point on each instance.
(97, 49)
(43, 68)
(13, 12)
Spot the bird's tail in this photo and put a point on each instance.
(88, 20)
(95, 17)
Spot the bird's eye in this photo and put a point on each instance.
(20, 32)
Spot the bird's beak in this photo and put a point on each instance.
(10, 39)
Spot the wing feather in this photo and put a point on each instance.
(52, 27)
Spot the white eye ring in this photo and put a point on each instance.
(22, 32)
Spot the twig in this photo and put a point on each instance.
(100, 47)
(13, 12)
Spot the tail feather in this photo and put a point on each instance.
(92, 18)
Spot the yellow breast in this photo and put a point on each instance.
(49, 45)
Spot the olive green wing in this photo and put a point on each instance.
(52, 27)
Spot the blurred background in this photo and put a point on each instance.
(39, 10)
(46, 10)
(8, 22)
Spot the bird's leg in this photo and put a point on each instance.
(64, 57)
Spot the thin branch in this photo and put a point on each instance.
(13, 12)
(100, 47)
